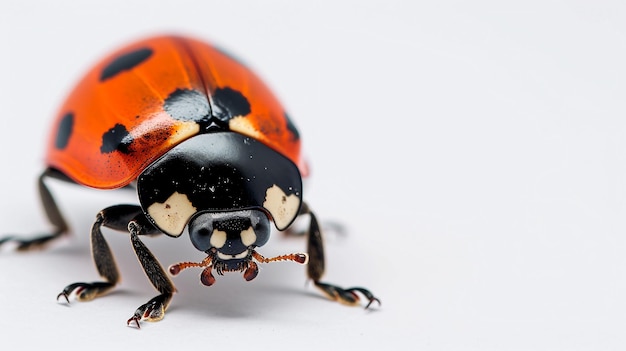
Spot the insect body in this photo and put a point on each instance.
(207, 146)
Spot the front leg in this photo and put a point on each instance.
(153, 310)
(316, 267)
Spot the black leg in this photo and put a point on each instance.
(125, 218)
(153, 310)
(53, 213)
(114, 217)
(316, 267)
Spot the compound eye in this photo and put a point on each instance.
(201, 231)
(261, 226)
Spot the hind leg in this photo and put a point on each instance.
(53, 214)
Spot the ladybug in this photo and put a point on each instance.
(207, 147)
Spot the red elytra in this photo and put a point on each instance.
(115, 121)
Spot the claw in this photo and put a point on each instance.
(66, 296)
(368, 295)
(347, 296)
(68, 290)
(151, 311)
(84, 291)
(134, 319)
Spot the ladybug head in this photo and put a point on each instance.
(229, 237)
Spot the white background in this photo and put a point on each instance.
(475, 152)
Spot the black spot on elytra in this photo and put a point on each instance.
(125, 62)
(229, 103)
(116, 139)
(188, 105)
(292, 127)
(65, 131)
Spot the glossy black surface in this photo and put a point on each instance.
(188, 105)
(229, 103)
(219, 172)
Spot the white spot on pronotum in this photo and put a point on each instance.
(173, 214)
(283, 208)
(244, 126)
(248, 237)
(183, 131)
(218, 239)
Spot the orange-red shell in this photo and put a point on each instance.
(123, 99)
